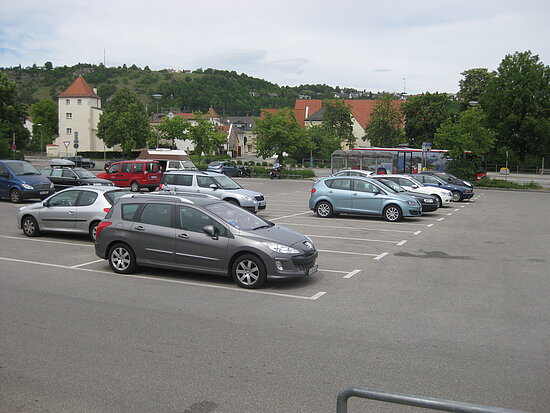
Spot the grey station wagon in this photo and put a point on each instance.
(212, 183)
(200, 233)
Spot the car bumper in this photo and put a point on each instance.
(293, 267)
(36, 193)
(429, 207)
(413, 212)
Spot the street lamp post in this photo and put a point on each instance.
(157, 97)
(41, 137)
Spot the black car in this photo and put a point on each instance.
(429, 202)
(449, 178)
(65, 177)
(81, 162)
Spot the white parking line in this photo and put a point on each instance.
(350, 253)
(48, 241)
(402, 243)
(348, 228)
(86, 263)
(351, 274)
(380, 256)
(450, 213)
(417, 232)
(458, 209)
(290, 216)
(353, 239)
(441, 219)
(160, 279)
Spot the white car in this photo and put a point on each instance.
(353, 172)
(444, 196)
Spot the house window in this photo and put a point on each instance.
(79, 102)
(69, 131)
(67, 101)
(69, 115)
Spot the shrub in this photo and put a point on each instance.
(501, 183)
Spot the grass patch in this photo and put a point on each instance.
(501, 183)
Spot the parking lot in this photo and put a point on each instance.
(453, 304)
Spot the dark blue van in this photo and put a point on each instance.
(20, 180)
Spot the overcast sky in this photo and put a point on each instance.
(419, 45)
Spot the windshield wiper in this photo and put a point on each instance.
(269, 225)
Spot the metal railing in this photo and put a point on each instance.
(413, 400)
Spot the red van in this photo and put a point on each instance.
(135, 174)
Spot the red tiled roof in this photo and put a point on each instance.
(360, 109)
(213, 113)
(79, 89)
(185, 115)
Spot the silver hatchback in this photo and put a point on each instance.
(76, 209)
(212, 183)
(199, 233)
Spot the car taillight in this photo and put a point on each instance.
(313, 190)
(102, 225)
(106, 210)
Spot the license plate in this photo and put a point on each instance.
(43, 192)
(312, 270)
(153, 177)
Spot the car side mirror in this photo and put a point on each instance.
(213, 186)
(211, 230)
(414, 186)
(376, 191)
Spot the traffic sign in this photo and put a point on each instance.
(426, 146)
(66, 143)
(75, 145)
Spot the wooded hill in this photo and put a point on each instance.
(229, 93)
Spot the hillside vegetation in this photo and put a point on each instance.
(229, 93)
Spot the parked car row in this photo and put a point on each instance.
(390, 196)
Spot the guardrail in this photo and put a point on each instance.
(413, 400)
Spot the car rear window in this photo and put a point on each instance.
(138, 167)
(110, 196)
(153, 167)
(128, 211)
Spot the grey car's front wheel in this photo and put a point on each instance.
(323, 209)
(392, 213)
(122, 259)
(30, 227)
(248, 271)
(134, 186)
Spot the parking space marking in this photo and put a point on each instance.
(48, 241)
(146, 277)
(350, 253)
(402, 243)
(351, 274)
(351, 228)
(86, 263)
(353, 239)
(457, 209)
(312, 218)
(380, 256)
(290, 216)
(450, 213)
(441, 219)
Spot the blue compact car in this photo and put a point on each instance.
(358, 195)
(20, 180)
(459, 192)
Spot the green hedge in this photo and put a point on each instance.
(501, 183)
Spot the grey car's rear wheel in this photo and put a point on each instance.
(323, 209)
(457, 196)
(392, 213)
(248, 271)
(134, 186)
(15, 196)
(30, 227)
(122, 259)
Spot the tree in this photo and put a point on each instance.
(473, 85)
(337, 116)
(279, 132)
(517, 101)
(124, 122)
(44, 113)
(424, 114)
(324, 141)
(172, 128)
(12, 116)
(385, 128)
(204, 135)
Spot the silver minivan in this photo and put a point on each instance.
(212, 183)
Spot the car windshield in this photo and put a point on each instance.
(385, 187)
(415, 182)
(84, 173)
(392, 185)
(237, 217)
(225, 182)
(23, 168)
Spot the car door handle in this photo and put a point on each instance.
(72, 211)
(183, 236)
(139, 228)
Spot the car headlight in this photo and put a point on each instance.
(412, 203)
(428, 201)
(273, 246)
(248, 198)
(51, 186)
(27, 186)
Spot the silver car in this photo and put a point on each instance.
(199, 233)
(212, 183)
(76, 209)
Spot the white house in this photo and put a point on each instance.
(79, 109)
